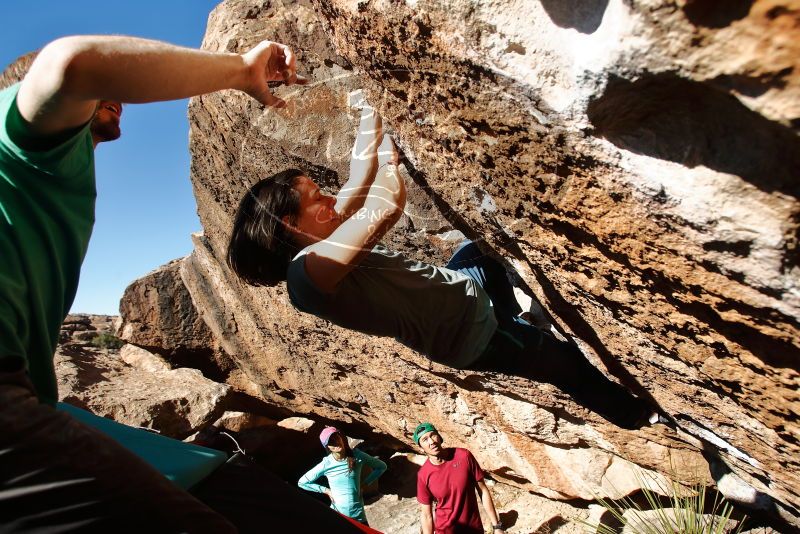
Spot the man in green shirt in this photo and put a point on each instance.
(57, 474)
(47, 164)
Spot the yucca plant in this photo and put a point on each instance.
(684, 511)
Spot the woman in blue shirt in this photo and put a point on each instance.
(342, 467)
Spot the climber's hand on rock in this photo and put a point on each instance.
(387, 152)
(270, 62)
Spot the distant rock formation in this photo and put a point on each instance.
(637, 163)
(131, 385)
(159, 316)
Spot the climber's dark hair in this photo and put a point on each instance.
(261, 248)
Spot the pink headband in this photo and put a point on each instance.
(326, 434)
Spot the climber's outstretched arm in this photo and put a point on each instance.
(363, 163)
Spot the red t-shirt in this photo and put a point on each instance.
(452, 485)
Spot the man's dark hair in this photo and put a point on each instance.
(261, 248)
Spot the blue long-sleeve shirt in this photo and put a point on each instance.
(345, 484)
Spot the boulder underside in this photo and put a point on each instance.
(636, 164)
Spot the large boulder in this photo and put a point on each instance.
(642, 161)
(157, 313)
(636, 162)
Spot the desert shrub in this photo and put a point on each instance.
(104, 340)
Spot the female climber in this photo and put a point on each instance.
(463, 315)
(342, 467)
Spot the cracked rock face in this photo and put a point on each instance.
(637, 162)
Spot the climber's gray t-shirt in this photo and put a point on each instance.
(439, 312)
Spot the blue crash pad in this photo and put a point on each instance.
(183, 463)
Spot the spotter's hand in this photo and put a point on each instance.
(270, 62)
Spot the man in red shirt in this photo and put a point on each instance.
(449, 477)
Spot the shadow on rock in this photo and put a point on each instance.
(582, 15)
(667, 117)
(403, 479)
(716, 13)
(509, 518)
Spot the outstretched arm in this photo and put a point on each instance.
(363, 163)
(71, 74)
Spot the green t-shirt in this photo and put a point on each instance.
(46, 217)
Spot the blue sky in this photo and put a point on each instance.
(145, 207)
